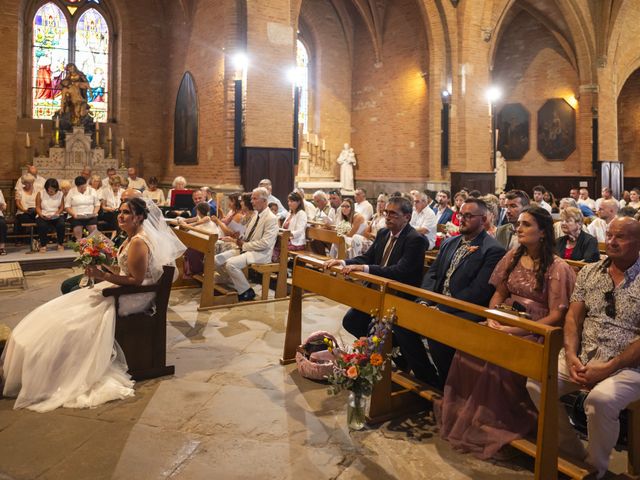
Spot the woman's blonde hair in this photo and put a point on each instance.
(27, 178)
(572, 213)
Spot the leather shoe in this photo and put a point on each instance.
(247, 295)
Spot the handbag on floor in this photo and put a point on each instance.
(314, 359)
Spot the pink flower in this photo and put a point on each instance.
(352, 372)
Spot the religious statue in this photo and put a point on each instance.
(73, 90)
(501, 172)
(347, 161)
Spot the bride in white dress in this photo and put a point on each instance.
(64, 352)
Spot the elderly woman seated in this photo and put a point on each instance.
(576, 244)
(25, 203)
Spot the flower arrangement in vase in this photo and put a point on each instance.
(360, 367)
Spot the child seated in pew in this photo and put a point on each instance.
(296, 223)
(193, 259)
(485, 407)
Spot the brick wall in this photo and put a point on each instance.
(522, 68)
(389, 119)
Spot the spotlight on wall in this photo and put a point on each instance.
(494, 94)
(240, 61)
(572, 100)
(446, 96)
(296, 75)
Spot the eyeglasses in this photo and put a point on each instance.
(334, 192)
(469, 216)
(345, 206)
(390, 214)
(610, 307)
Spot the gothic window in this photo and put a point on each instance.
(302, 80)
(63, 32)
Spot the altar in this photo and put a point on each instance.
(316, 169)
(66, 162)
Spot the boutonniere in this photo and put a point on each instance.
(472, 248)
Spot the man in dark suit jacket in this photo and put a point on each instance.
(396, 253)
(442, 210)
(461, 270)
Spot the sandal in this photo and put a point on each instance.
(3, 251)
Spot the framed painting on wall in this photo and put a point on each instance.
(513, 131)
(556, 129)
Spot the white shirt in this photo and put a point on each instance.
(545, 205)
(157, 196)
(589, 202)
(105, 182)
(50, 204)
(426, 219)
(37, 185)
(110, 199)
(598, 228)
(310, 208)
(139, 183)
(83, 204)
(332, 215)
(28, 199)
(297, 226)
(365, 209)
(2, 202)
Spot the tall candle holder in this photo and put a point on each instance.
(122, 164)
(43, 146)
(27, 149)
(57, 137)
(110, 144)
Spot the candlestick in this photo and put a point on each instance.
(57, 137)
(122, 164)
(57, 123)
(98, 135)
(122, 143)
(109, 137)
(315, 140)
(41, 130)
(27, 142)
(306, 137)
(324, 145)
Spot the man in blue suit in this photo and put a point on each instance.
(442, 210)
(461, 270)
(396, 253)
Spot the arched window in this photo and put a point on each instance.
(302, 79)
(69, 31)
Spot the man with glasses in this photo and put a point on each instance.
(396, 253)
(602, 346)
(423, 219)
(461, 270)
(517, 202)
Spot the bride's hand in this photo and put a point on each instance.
(95, 272)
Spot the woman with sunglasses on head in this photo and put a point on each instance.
(485, 407)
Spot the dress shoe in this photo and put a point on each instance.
(247, 295)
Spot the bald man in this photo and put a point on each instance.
(39, 182)
(602, 345)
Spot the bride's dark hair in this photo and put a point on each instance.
(138, 207)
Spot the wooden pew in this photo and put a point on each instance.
(202, 241)
(323, 234)
(534, 360)
(279, 268)
(309, 275)
(143, 336)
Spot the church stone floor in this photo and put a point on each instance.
(230, 412)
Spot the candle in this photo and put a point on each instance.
(57, 123)
(27, 142)
(324, 144)
(97, 135)
(41, 130)
(122, 144)
(109, 137)
(306, 137)
(315, 142)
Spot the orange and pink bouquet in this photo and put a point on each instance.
(94, 249)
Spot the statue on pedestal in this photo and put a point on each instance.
(75, 104)
(501, 172)
(347, 161)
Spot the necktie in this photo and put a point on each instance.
(387, 250)
(253, 228)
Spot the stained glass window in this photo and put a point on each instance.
(302, 80)
(50, 49)
(51, 52)
(92, 58)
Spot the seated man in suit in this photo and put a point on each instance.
(254, 246)
(461, 270)
(396, 253)
(517, 202)
(442, 210)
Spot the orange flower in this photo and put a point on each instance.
(352, 372)
(376, 359)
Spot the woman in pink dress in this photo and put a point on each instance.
(485, 406)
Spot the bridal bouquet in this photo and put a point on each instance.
(94, 249)
(360, 368)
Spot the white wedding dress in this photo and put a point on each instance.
(64, 352)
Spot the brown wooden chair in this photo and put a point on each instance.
(143, 336)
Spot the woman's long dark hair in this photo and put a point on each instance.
(547, 248)
(296, 197)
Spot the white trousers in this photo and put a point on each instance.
(602, 406)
